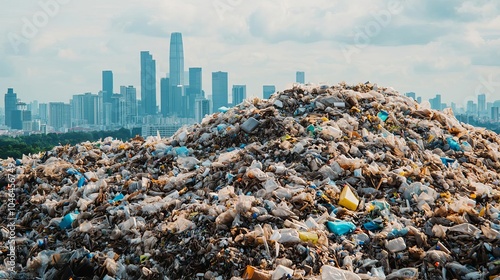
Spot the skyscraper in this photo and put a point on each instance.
(10, 105)
(59, 115)
(239, 94)
(130, 94)
(481, 105)
(219, 90)
(201, 108)
(195, 81)
(107, 85)
(300, 77)
(148, 83)
(165, 98)
(411, 95)
(194, 91)
(436, 102)
(176, 73)
(268, 90)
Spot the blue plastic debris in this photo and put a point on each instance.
(340, 227)
(453, 144)
(81, 181)
(68, 220)
(383, 115)
(118, 197)
(182, 151)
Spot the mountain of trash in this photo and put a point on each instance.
(317, 182)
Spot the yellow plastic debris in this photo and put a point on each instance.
(308, 236)
(348, 199)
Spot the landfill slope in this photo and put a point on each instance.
(340, 182)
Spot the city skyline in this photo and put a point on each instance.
(448, 47)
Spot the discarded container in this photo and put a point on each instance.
(341, 227)
(250, 125)
(383, 115)
(348, 199)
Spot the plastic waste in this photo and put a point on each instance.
(383, 115)
(250, 125)
(340, 227)
(282, 271)
(68, 220)
(404, 274)
(396, 245)
(348, 199)
(329, 272)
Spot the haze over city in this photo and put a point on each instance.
(51, 50)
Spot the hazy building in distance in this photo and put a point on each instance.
(494, 114)
(43, 112)
(176, 74)
(202, 107)
(300, 77)
(130, 94)
(268, 90)
(219, 90)
(10, 105)
(436, 102)
(166, 106)
(481, 105)
(411, 95)
(107, 85)
(194, 90)
(20, 115)
(239, 94)
(148, 83)
(59, 116)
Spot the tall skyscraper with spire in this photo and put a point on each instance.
(148, 84)
(176, 74)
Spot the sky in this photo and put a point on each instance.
(53, 49)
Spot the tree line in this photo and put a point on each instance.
(15, 147)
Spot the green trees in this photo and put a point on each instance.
(17, 146)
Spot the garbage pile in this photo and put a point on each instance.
(340, 182)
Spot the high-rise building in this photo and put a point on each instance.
(33, 107)
(194, 90)
(201, 108)
(10, 105)
(86, 110)
(107, 85)
(268, 90)
(481, 105)
(494, 114)
(148, 83)
(436, 102)
(165, 97)
(195, 81)
(119, 109)
(176, 73)
(411, 95)
(59, 115)
(20, 115)
(471, 108)
(300, 77)
(43, 112)
(219, 90)
(239, 94)
(130, 94)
